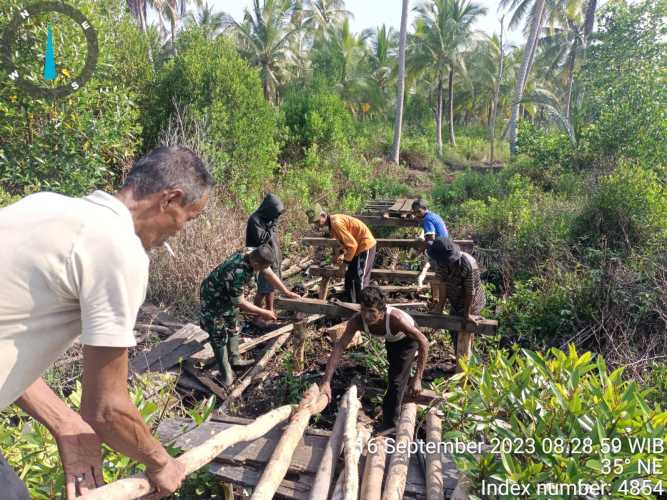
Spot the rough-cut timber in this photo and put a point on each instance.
(381, 221)
(399, 461)
(258, 367)
(277, 467)
(466, 245)
(139, 485)
(381, 274)
(434, 484)
(167, 353)
(363, 435)
(371, 484)
(428, 320)
(351, 471)
(332, 451)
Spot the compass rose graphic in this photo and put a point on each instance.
(49, 49)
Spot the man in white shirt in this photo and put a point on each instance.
(77, 267)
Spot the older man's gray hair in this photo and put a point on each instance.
(169, 167)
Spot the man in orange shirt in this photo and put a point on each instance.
(357, 255)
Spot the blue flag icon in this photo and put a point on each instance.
(49, 60)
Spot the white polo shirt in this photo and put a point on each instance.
(69, 267)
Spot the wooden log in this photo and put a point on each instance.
(322, 483)
(255, 371)
(275, 470)
(371, 484)
(428, 320)
(434, 481)
(466, 245)
(351, 471)
(462, 490)
(139, 485)
(296, 269)
(363, 435)
(153, 327)
(398, 464)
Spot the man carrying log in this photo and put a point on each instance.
(262, 229)
(432, 226)
(460, 283)
(77, 268)
(221, 295)
(357, 255)
(402, 340)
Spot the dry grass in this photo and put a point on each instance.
(199, 247)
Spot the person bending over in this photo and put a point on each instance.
(221, 300)
(433, 227)
(402, 340)
(357, 255)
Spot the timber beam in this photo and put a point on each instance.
(382, 274)
(466, 245)
(343, 310)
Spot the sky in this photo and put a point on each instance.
(373, 13)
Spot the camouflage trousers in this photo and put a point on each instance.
(219, 324)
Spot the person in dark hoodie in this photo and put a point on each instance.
(262, 229)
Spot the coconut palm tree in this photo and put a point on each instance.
(263, 39)
(323, 14)
(342, 55)
(443, 30)
(212, 23)
(381, 57)
(400, 94)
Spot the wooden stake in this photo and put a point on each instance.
(300, 345)
(324, 288)
(322, 482)
(434, 481)
(371, 484)
(398, 465)
(351, 473)
(275, 470)
(139, 485)
(228, 491)
(463, 347)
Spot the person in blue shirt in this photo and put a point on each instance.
(432, 224)
(433, 227)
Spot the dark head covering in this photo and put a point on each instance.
(444, 251)
(271, 208)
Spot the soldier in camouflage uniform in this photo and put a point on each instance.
(221, 297)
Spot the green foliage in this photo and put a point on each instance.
(316, 117)
(75, 144)
(627, 208)
(211, 81)
(551, 418)
(625, 100)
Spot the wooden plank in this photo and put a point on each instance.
(430, 320)
(381, 274)
(465, 245)
(381, 221)
(248, 477)
(205, 380)
(166, 354)
(257, 453)
(398, 205)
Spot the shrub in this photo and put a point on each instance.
(218, 88)
(553, 418)
(627, 208)
(317, 116)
